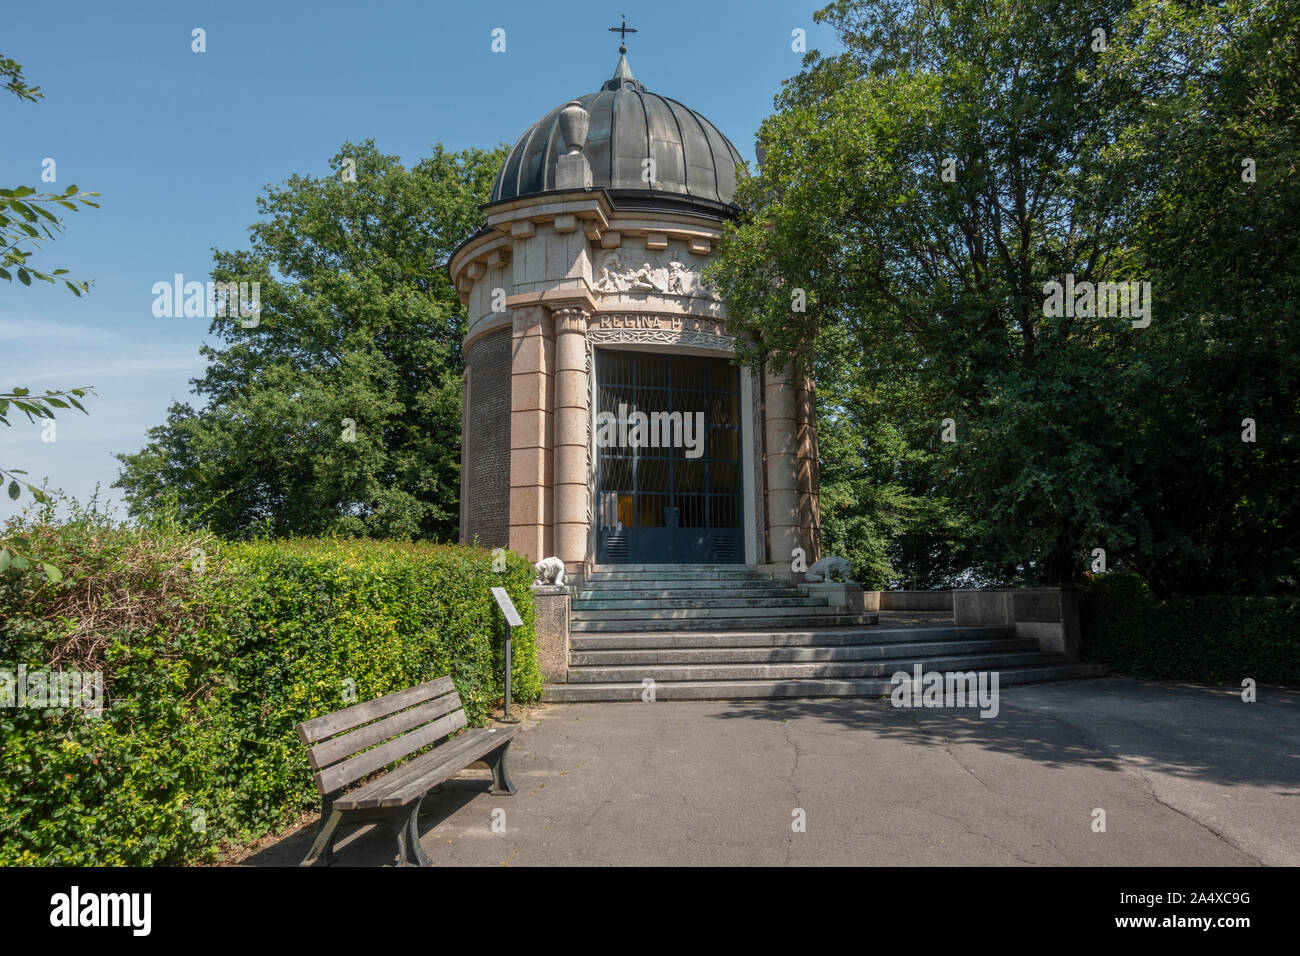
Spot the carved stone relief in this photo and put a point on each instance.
(628, 270)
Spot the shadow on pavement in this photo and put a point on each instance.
(370, 845)
(1197, 732)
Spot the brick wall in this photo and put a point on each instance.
(485, 484)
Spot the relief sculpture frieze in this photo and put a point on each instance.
(621, 270)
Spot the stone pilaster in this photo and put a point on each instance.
(782, 450)
(810, 517)
(531, 429)
(572, 416)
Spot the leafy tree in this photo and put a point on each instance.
(920, 190)
(23, 216)
(881, 506)
(24, 220)
(1207, 98)
(34, 407)
(339, 411)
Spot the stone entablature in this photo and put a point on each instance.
(576, 246)
(639, 328)
(672, 323)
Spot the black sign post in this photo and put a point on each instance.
(513, 620)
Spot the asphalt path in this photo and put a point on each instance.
(1185, 776)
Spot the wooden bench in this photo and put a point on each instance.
(346, 746)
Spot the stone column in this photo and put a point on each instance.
(531, 386)
(810, 517)
(572, 414)
(782, 434)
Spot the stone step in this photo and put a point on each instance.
(798, 618)
(690, 656)
(602, 577)
(767, 689)
(823, 637)
(763, 689)
(657, 612)
(692, 568)
(813, 670)
(589, 609)
(688, 589)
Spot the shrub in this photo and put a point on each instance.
(1214, 640)
(211, 654)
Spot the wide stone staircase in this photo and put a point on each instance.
(666, 597)
(728, 632)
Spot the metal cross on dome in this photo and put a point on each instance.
(622, 30)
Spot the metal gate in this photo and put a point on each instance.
(668, 454)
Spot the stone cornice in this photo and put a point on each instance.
(553, 299)
(594, 213)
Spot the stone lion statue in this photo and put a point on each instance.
(550, 571)
(823, 569)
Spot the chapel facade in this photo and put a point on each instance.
(604, 421)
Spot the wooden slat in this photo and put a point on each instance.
(485, 741)
(345, 745)
(373, 793)
(415, 778)
(353, 769)
(413, 769)
(451, 754)
(328, 725)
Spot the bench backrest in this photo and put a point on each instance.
(345, 746)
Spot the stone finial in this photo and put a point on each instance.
(575, 121)
(572, 171)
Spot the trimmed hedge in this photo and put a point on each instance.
(1220, 639)
(210, 659)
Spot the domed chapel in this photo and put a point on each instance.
(604, 422)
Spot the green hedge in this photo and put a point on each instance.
(210, 660)
(1220, 639)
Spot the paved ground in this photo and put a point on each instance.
(1186, 775)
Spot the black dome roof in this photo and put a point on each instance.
(694, 162)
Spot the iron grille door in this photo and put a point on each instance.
(672, 492)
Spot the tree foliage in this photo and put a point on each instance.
(920, 190)
(339, 412)
(25, 221)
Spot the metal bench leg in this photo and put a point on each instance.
(408, 839)
(322, 851)
(496, 761)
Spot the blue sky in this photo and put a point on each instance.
(179, 145)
